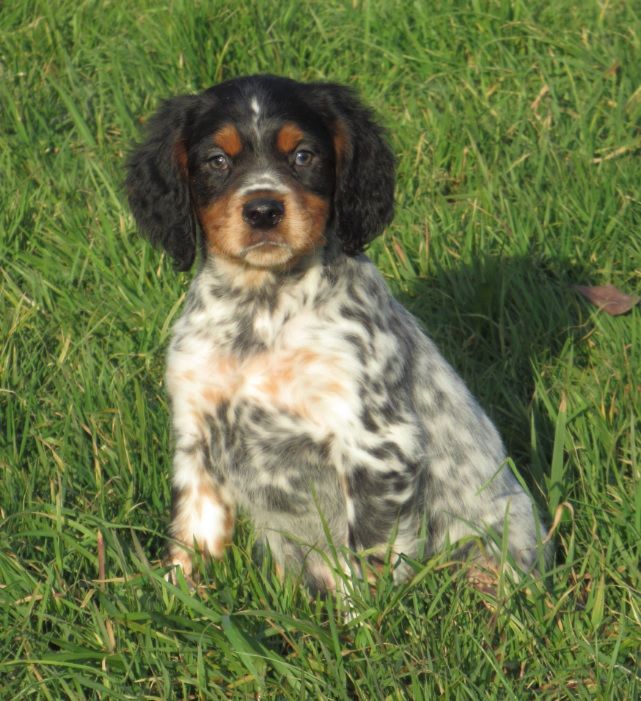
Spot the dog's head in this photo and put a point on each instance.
(266, 168)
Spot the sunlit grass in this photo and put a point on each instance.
(516, 127)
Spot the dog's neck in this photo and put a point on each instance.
(245, 310)
(239, 278)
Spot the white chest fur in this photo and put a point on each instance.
(302, 369)
(302, 381)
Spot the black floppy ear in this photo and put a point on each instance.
(157, 185)
(364, 194)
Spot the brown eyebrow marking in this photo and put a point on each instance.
(289, 137)
(341, 143)
(228, 139)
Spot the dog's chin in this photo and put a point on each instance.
(268, 255)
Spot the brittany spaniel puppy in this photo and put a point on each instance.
(301, 391)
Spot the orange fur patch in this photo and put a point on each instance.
(317, 210)
(228, 139)
(299, 381)
(191, 506)
(223, 226)
(227, 235)
(306, 219)
(289, 137)
(213, 396)
(180, 152)
(341, 143)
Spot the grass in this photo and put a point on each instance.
(517, 129)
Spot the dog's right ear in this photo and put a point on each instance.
(157, 181)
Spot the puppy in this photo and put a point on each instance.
(301, 391)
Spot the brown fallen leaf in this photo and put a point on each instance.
(608, 298)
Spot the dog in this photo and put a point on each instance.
(301, 391)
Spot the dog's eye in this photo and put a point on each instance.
(219, 161)
(303, 157)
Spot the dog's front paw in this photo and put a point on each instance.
(179, 560)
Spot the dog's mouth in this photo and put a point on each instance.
(267, 253)
(263, 244)
(266, 246)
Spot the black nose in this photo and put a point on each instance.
(263, 213)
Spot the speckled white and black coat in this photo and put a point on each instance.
(301, 391)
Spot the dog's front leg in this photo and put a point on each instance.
(202, 509)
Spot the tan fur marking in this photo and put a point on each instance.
(317, 209)
(228, 139)
(229, 524)
(285, 372)
(484, 575)
(180, 152)
(341, 144)
(230, 238)
(306, 219)
(213, 396)
(298, 381)
(223, 226)
(321, 573)
(191, 505)
(289, 137)
(223, 372)
(228, 235)
(182, 558)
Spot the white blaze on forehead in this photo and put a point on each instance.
(255, 108)
(254, 105)
(263, 181)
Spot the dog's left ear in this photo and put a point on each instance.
(157, 186)
(364, 194)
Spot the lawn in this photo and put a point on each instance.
(517, 127)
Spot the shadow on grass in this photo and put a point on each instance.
(501, 321)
